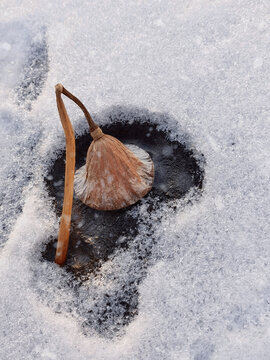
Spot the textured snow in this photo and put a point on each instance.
(206, 294)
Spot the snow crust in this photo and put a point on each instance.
(207, 292)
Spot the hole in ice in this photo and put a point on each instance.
(97, 235)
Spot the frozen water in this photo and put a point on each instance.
(207, 292)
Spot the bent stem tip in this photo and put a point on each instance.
(59, 88)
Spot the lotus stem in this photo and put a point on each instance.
(64, 229)
(93, 126)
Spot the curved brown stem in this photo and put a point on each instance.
(64, 229)
(89, 119)
(63, 235)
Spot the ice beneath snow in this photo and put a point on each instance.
(206, 63)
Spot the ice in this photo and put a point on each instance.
(205, 292)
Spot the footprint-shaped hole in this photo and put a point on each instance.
(97, 235)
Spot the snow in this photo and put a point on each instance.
(206, 294)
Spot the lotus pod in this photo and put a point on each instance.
(114, 176)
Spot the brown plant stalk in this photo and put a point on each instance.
(112, 178)
(64, 229)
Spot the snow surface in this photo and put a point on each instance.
(207, 292)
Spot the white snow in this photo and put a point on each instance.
(206, 63)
